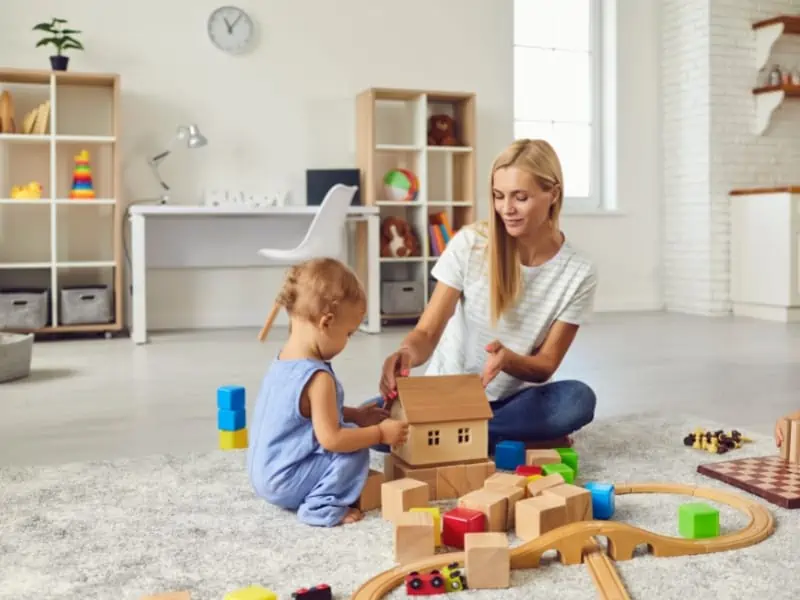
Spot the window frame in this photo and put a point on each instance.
(594, 200)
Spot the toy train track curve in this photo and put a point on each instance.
(573, 540)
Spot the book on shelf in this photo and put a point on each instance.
(440, 232)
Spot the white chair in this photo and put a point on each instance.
(324, 238)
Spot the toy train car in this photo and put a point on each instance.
(318, 592)
(435, 582)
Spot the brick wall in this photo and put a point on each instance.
(709, 70)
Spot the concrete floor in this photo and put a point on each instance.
(103, 399)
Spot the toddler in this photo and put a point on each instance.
(308, 452)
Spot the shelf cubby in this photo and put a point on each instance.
(62, 240)
(392, 133)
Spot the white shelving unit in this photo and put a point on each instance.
(769, 98)
(392, 132)
(55, 241)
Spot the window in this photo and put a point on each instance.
(557, 94)
(463, 435)
(433, 437)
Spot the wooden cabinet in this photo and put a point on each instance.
(765, 253)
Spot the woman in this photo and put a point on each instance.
(510, 297)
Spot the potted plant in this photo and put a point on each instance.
(62, 38)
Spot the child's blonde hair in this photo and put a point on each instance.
(314, 288)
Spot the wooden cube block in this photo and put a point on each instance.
(459, 521)
(437, 522)
(542, 457)
(794, 441)
(413, 536)
(577, 499)
(400, 495)
(451, 481)
(170, 596)
(487, 560)
(538, 485)
(389, 468)
(233, 440)
(493, 504)
(370, 498)
(253, 592)
(538, 515)
(505, 480)
(477, 474)
(513, 495)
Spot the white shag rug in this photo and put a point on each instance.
(124, 529)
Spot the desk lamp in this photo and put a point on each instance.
(193, 138)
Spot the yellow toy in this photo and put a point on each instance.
(253, 592)
(32, 191)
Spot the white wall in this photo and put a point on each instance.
(289, 105)
(710, 148)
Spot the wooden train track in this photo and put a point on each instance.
(575, 541)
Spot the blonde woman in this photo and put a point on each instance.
(510, 296)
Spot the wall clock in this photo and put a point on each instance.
(230, 29)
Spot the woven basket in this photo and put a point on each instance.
(16, 352)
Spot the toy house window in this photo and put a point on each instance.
(463, 435)
(433, 437)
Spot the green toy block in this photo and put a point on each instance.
(564, 470)
(697, 520)
(569, 457)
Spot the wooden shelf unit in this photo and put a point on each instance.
(54, 241)
(768, 98)
(392, 132)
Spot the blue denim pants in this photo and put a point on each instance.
(536, 414)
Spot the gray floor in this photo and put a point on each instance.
(102, 399)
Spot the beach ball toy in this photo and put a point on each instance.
(401, 185)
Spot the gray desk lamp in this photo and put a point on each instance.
(193, 138)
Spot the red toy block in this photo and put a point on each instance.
(459, 521)
(528, 470)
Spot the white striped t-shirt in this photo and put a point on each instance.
(562, 289)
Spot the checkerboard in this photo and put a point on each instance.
(769, 477)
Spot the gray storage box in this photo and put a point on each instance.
(24, 308)
(85, 305)
(402, 297)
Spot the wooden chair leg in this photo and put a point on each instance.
(262, 335)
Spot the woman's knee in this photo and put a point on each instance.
(584, 399)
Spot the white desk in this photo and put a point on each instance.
(220, 245)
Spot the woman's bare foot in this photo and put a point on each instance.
(351, 516)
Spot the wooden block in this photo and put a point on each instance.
(424, 474)
(389, 468)
(451, 482)
(505, 480)
(413, 536)
(577, 499)
(513, 495)
(254, 592)
(370, 498)
(487, 560)
(538, 515)
(493, 504)
(400, 495)
(170, 596)
(542, 457)
(537, 486)
(233, 440)
(477, 474)
(437, 522)
(794, 445)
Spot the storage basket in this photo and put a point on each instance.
(16, 352)
(24, 308)
(402, 297)
(85, 305)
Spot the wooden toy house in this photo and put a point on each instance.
(448, 434)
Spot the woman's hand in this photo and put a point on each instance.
(499, 357)
(397, 364)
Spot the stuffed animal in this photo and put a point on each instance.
(397, 238)
(442, 131)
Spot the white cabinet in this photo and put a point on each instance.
(765, 253)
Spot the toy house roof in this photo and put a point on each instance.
(443, 398)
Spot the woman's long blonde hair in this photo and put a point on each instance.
(538, 158)
(314, 288)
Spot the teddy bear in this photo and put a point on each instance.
(441, 131)
(397, 238)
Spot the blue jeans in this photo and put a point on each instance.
(536, 414)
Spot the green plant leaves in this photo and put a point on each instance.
(62, 39)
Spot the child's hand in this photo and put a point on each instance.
(369, 414)
(393, 432)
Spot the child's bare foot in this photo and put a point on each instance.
(352, 516)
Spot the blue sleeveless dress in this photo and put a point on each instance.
(286, 464)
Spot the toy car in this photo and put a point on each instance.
(425, 584)
(318, 592)
(454, 579)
